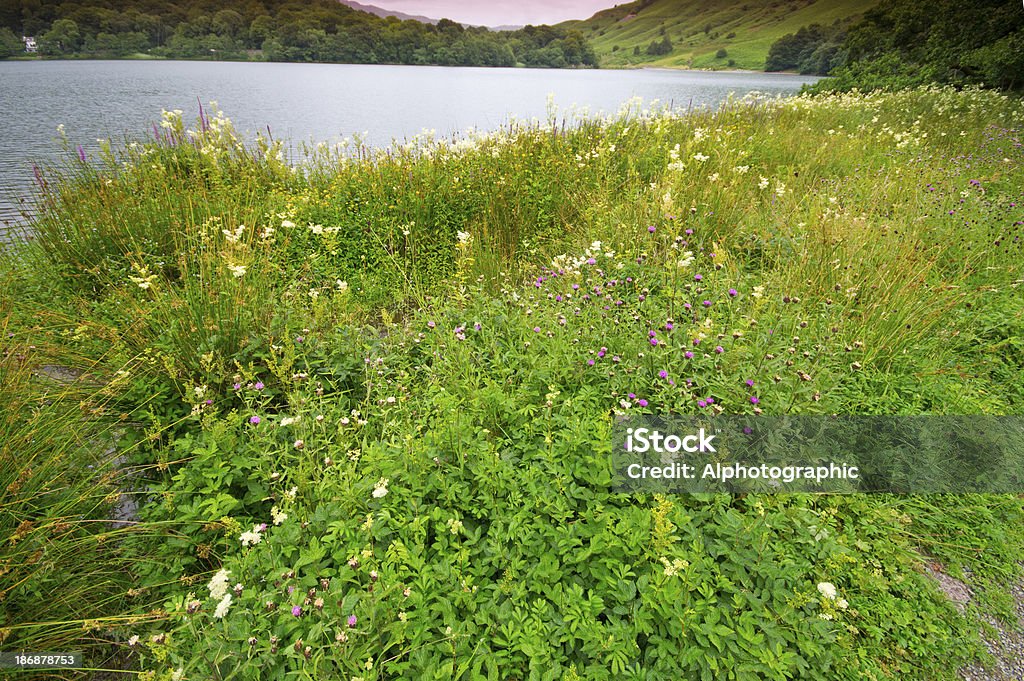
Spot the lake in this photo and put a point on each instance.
(311, 102)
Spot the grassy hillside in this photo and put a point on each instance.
(698, 29)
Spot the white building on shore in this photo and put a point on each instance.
(30, 43)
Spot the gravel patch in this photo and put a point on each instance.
(1007, 647)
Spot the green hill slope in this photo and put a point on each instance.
(700, 30)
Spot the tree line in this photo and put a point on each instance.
(902, 43)
(275, 30)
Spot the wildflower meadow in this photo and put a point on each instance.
(346, 413)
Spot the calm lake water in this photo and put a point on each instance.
(310, 102)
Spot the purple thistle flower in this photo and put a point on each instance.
(689, 232)
(702, 404)
(431, 324)
(669, 326)
(688, 355)
(642, 403)
(707, 303)
(663, 374)
(81, 153)
(254, 420)
(591, 261)
(237, 386)
(754, 400)
(259, 385)
(733, 293)
(477, 326)
(719, 349)
(590, 362)
(536, 329)
(352, 620)
(575, 287)
(632, 396)
(651, 229)
(297, 610)
(654, 342)
(697, 277)
(750, 382)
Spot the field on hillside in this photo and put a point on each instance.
(744, 29)
(352, 416)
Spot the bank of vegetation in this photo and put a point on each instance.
(276, 30)
(361, 404)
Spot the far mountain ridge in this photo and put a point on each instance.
(384, 13)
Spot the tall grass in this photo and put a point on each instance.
(286, 336)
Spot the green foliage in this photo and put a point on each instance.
(322, 31)
(933, 42)
(377, 390)
(813, 50)
(10, 44)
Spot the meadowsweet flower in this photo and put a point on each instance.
(276, 516)
(133, 640)
(827, 589)
(222, 607)
(287, 224)
(218, 585)
(237, 271)
(289, 420)
(763, 184)
(252, 537)
(380, 489)
(233, 235)
(464, 237)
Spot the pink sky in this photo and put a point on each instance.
(498, 12)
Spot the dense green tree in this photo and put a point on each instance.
(909, 42)
(10, 44)
(62, 38)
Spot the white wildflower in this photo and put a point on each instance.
(252, 537)
(237, 271)
(222, 607)
(218, 585)
(827, 589)
(277, 516)
(381, 488)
